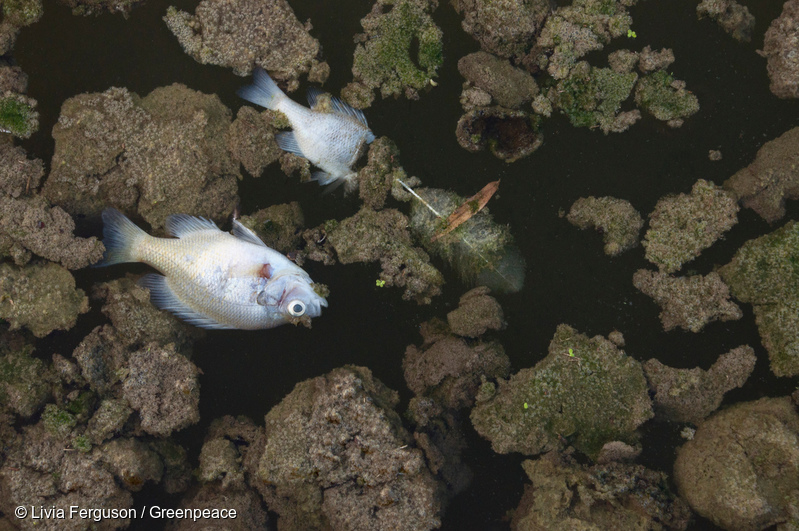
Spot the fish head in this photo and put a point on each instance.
(291, 299)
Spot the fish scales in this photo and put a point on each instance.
(211, 278)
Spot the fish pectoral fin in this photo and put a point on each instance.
(162, 296)
(313, 95)
(243, 233)
(288, 142)
(180, 225)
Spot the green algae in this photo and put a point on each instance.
(17, 115)
(663, 97)
(585, 393)
(23, 382)
(22, 12)
(57, 421)
(592, 97)
(385, 60)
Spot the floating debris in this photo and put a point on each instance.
(481, 251)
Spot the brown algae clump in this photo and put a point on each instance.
(503, 27)
(507, 86)
(509, 135)
(241, 34)
(383, 236)
(690, 395)
(383, 61)
(733, 18)
(480, 250)
(741, 470)
(688, 302)
(157, 155)
(781, 46)
(338, 457)
(585, 393)
(40, 297)
(29, 225)
(616, 219)
(772, 178)
(564, 494)
(765, 273)
(682, 226)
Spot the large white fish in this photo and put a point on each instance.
(331, 137)
(214, 279)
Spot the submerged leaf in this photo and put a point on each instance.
(468, 208)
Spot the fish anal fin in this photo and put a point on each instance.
(163, 296)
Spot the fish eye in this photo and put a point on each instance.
(296, 308)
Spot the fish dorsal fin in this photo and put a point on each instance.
(342, 108)
(180, 225)
(338, 106)
(243, 233)
(162, 295)
(287, 142)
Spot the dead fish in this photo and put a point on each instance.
(214, 279)
(331, 138)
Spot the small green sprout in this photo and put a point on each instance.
(380, 283)
(631, 34)
(525, 405)
(571, 352)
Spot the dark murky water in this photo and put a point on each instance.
(569, 279)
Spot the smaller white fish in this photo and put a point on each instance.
(331, 139)
(214, 279)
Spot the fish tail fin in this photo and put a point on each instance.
(121, 238)
(264, 91)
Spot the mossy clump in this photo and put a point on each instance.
(665, 98)
(585, 393)
(572, 31)
(376, 179)
(765, 273)
(22, 12)
(82, 443)
(480, 250)
(383, 237)
(278, 226)
(57, 421)
(384, 61)
(592, 97)
(17, 115)
(24, 386)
